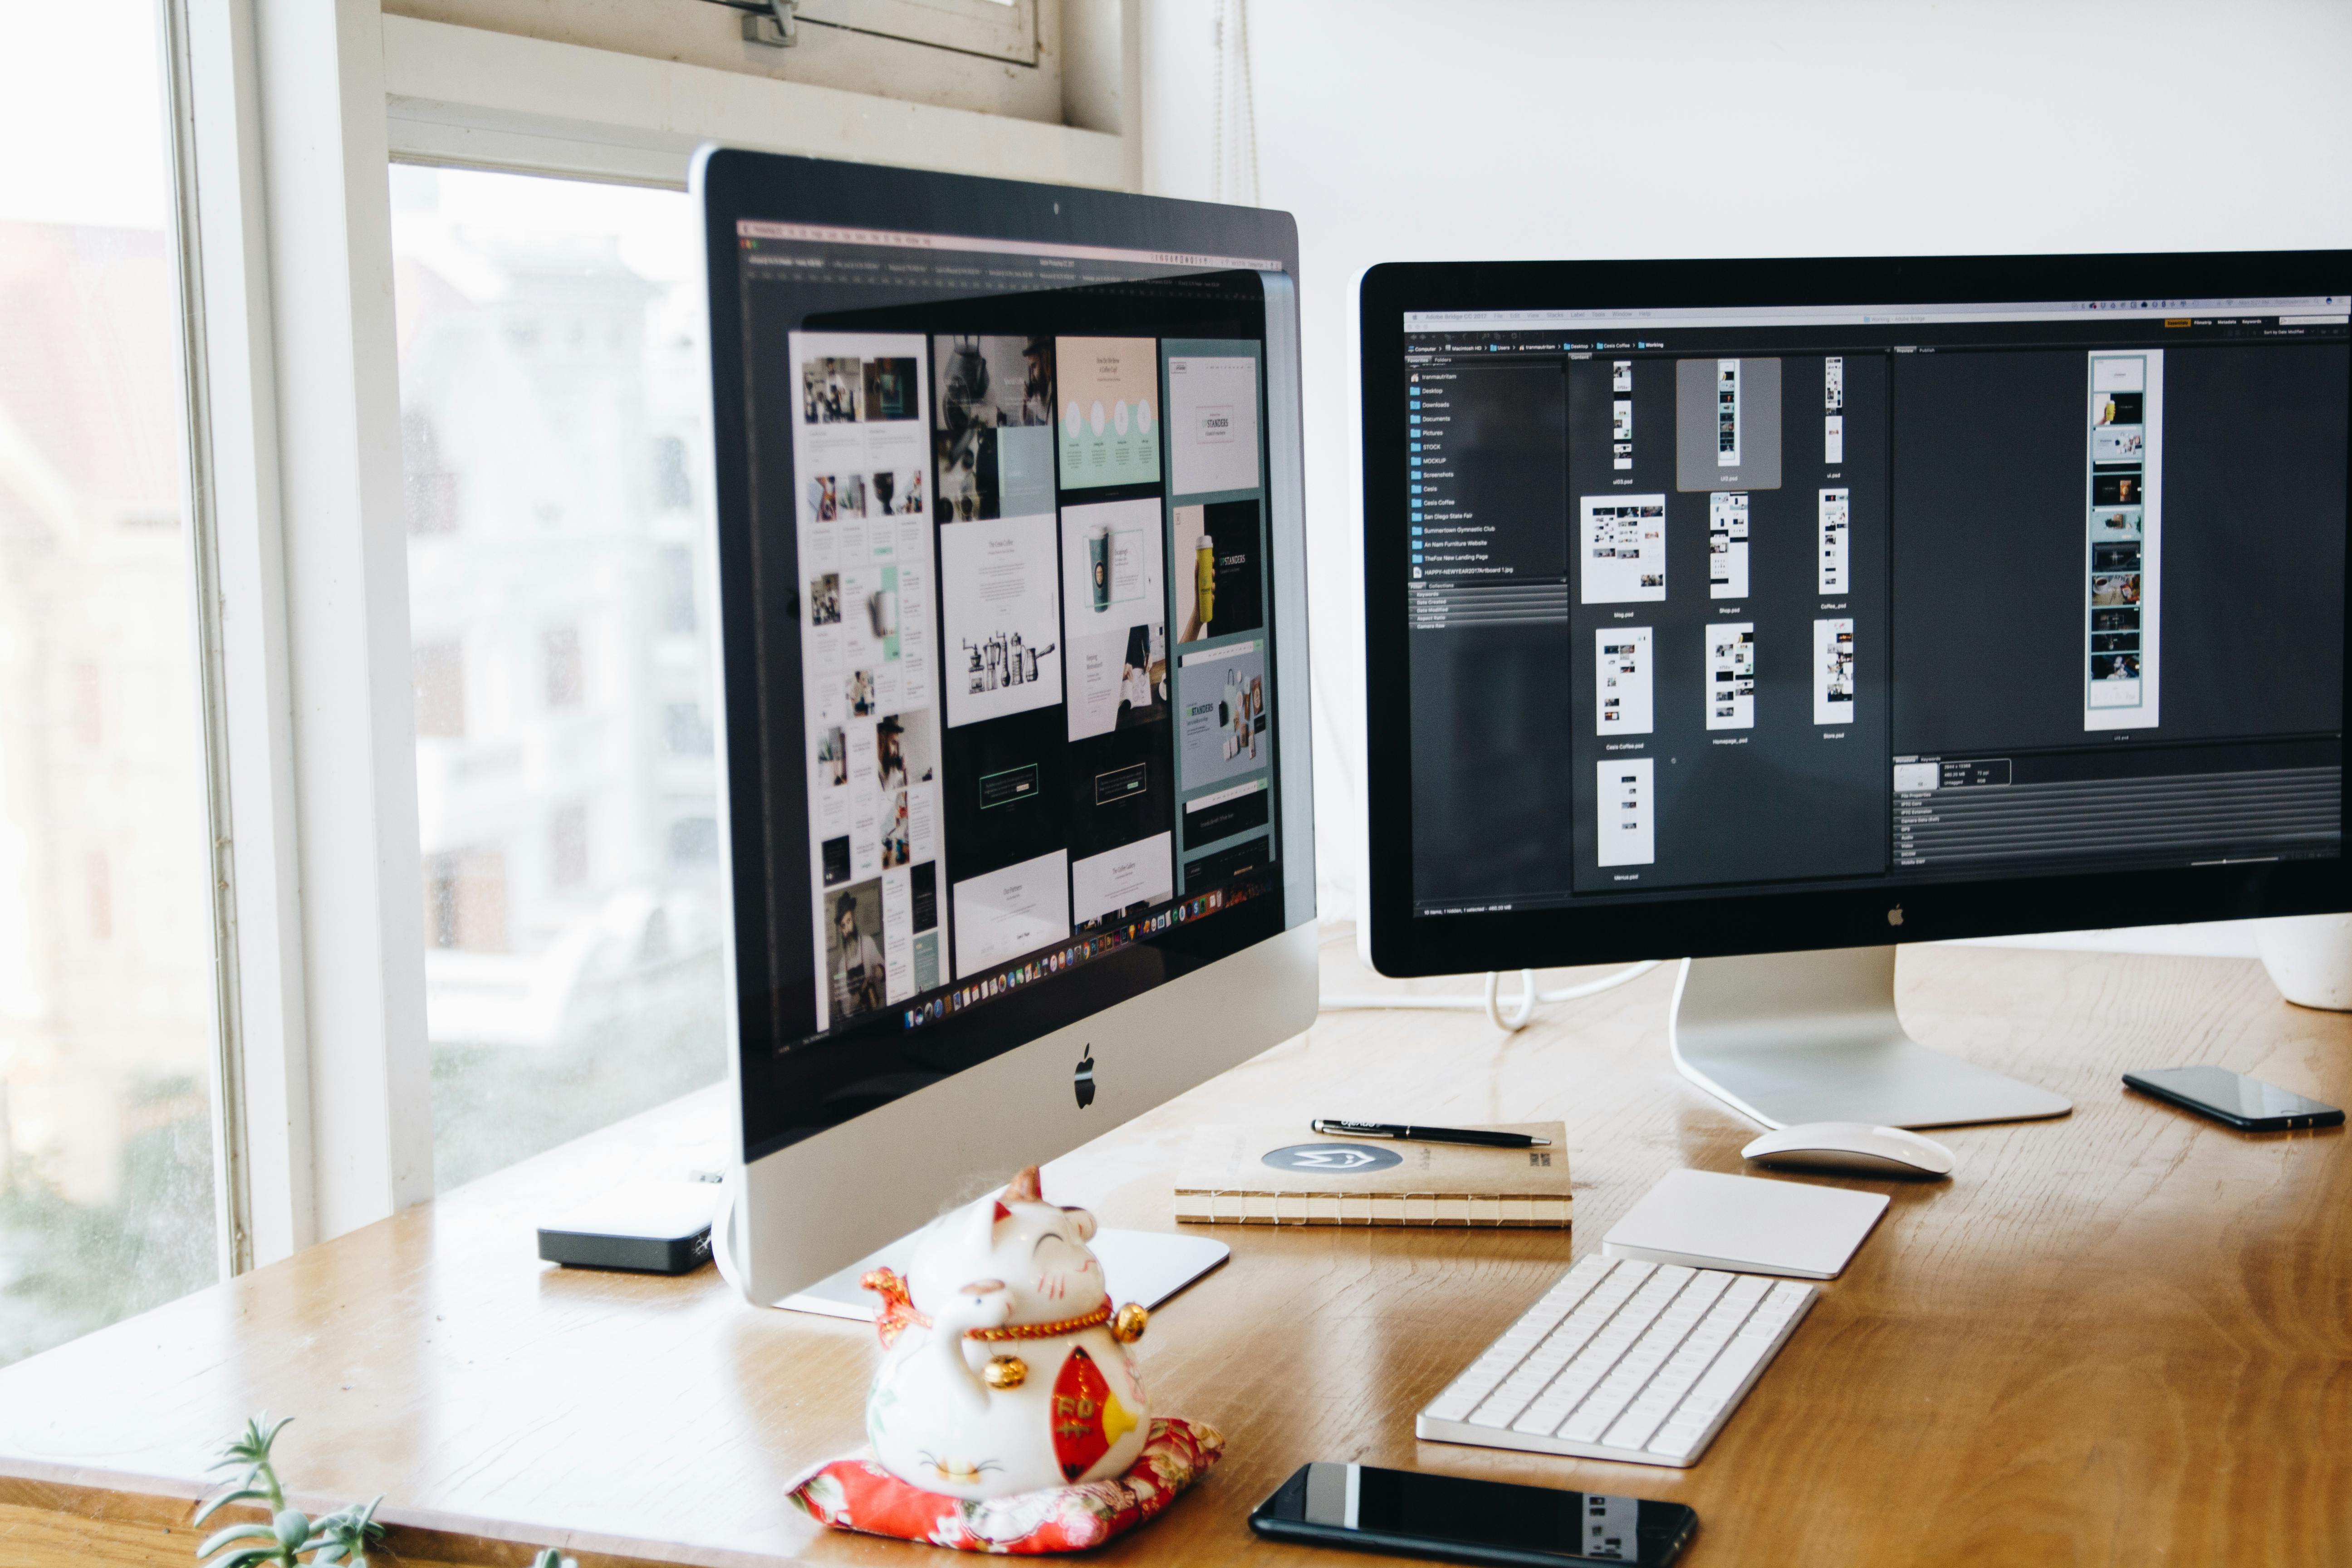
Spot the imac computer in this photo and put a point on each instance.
(1769, 612)
(1012, 598)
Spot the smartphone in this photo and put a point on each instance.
(2248, 1104)
(1411, 1514)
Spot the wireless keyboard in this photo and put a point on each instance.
(1621, 1360)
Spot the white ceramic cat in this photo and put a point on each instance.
(1004, 1368)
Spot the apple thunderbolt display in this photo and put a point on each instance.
(1793, 609)
(1012, 615)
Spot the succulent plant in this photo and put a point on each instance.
(290, 1539)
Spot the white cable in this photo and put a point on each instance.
(1217, 111)
(1595, 988)
(722, 1238)
(1523, 1007)
(1249, 95)
(1527, 1007)
(1229, 36)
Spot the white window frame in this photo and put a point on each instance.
(998, 29)
(476, 99)
(289, 114)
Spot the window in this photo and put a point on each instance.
(562, 665)
(107, 1034)
(675, 491)
(440, 689)
(88, 712)
(688, 730)
(678, 616)
(466, 899)
(431, 490)
(101, 897)
(567, 846)
(550, 393)
(694, 841)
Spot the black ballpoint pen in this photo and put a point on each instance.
(1484, 1139)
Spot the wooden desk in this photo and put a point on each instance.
(2125, 1337)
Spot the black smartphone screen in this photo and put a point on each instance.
(1461, 1521)
(2236, 1099)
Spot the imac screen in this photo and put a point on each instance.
(1002, 667)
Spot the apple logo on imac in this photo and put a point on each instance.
(1084, 1079)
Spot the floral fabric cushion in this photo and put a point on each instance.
(856, 1493)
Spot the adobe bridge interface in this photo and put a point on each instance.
(1870, 595)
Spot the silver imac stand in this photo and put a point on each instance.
(1792, 1037)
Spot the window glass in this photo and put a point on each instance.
(550, 404)
(106, 1008)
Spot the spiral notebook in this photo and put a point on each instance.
(1287, 1175)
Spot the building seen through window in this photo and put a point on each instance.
(551, 401)
(107, 1029)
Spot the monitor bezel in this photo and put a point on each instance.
(734, 183)
(1403, 944)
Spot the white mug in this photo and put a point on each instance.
(2309, 958)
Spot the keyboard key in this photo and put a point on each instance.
(1502, 1375)
(1745, 1351)
(1577, 1282)
(1455, 1404)
(1676, 1439)
(1666, 1390)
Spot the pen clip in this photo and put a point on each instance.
(1330, 1127)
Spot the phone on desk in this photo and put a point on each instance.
(1456, 1520)
(2248, 1104)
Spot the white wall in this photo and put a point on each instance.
(1564, 129)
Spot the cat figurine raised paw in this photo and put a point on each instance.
(1004, 1369)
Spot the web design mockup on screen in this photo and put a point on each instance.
(1027, 531)
(1831, 596)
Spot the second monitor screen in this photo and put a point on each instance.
(1987, 599)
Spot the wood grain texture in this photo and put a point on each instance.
(47, 1525)
(48, 1537)
(2121, 1337)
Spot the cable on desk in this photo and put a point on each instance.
(1523, 1006)
(722, 1238)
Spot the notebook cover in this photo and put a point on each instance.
(1286, 1175)
(1746, 1225)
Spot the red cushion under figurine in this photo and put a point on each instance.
(859, 1494)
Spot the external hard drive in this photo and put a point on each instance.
(652, 1227)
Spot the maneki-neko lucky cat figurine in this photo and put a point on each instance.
(1004, 1368)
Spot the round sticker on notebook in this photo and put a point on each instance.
(1333, 1158)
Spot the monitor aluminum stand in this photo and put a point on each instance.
(1792, 1037)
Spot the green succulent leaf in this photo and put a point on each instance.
(236, 1532)
(248, 1455)
(247, 1557)
(219, 1500)
(252, 1447)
